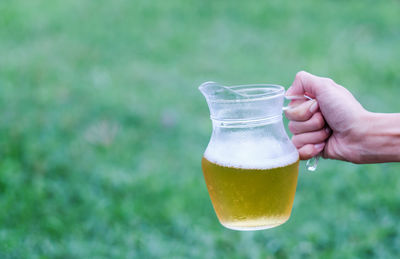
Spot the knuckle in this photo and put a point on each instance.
(329, 81)
(291, 127)
(307, 152)
(300, 74)
(319, 121)
(296, 142)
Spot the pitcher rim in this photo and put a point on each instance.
(278, 90)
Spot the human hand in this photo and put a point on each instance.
(331, 124)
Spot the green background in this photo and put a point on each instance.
(102, 127)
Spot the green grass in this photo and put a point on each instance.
(102, 127)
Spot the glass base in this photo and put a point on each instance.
(252, 228)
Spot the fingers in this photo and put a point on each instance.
(310, 144)
(310, 150)
(303, 111)
(313, 137)
(306, 121)
(316, 122)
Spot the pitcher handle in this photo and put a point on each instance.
(312, 163)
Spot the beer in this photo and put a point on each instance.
(251, 198)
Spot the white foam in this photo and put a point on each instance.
(266, 153)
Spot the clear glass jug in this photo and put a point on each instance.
(250, 165)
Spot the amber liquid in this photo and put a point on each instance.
(251, 199)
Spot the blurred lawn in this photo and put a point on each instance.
(102, 127)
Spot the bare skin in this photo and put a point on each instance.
(337, 126)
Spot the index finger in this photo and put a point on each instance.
(302, 112)
(306, 83)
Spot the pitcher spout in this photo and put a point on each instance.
(213, 91)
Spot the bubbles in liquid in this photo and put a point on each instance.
(249, 199)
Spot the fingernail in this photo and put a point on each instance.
(319, 146)
(328, 130)
(314, 106)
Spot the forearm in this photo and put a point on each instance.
(381, 138)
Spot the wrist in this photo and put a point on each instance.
(379, 138)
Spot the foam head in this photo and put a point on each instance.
(265, 153)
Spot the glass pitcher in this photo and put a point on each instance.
(250, 165)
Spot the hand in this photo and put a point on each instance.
(331, 124)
